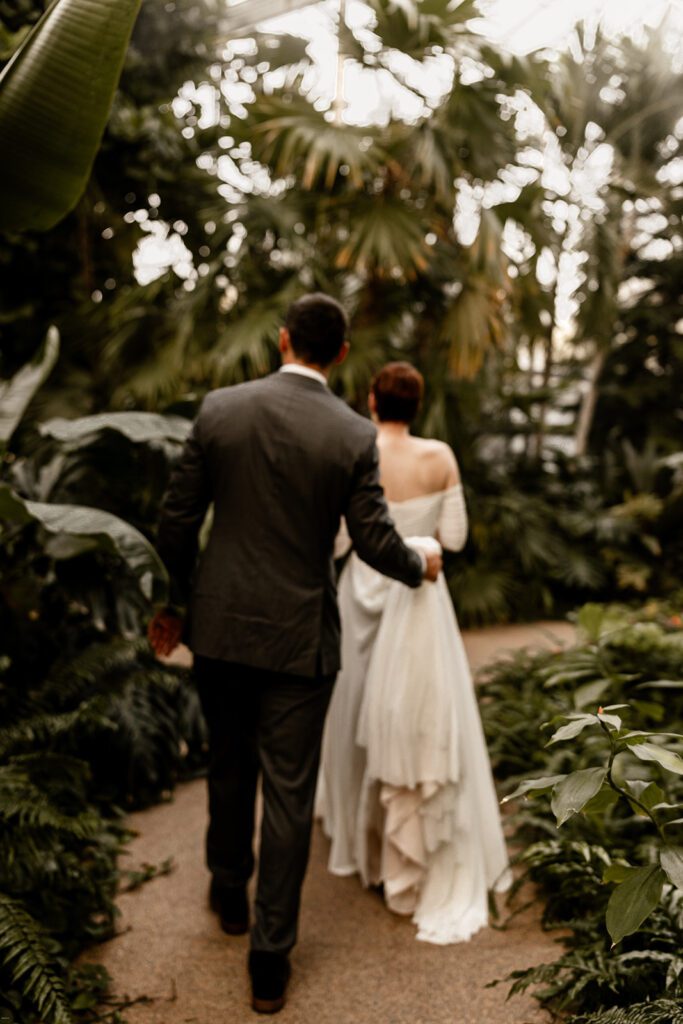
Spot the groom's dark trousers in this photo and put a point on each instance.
(270, 722)
(282, 460)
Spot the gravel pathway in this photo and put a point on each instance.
(355, 963)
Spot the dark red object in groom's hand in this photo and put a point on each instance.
(164, 632)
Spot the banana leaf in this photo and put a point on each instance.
(75, 529)
(55, 98)
(137, 427)
(15, 394)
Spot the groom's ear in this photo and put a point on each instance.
(284, 341)
(343, 353)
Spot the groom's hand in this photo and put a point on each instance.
(434, 565)
(164, 632)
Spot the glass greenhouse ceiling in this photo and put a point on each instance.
(521, 25)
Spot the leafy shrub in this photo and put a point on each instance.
(546, 538)
(90, 722)
(616, 792)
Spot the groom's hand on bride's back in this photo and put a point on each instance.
(433, 566)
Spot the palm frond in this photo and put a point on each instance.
(386, 239)
(474, 326)
(417, 27)
(291, 137)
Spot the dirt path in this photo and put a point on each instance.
(355, 963)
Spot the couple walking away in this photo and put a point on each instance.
(405, 790)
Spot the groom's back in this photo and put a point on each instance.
(280, 454)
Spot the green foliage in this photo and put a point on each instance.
(16, 394)
(660, 1011)
(75, 529)
(26, 955)
(611, 875)
(90, 721)
(73, 56)
(544, 539)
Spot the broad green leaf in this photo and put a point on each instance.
(662, 684)
(573, 728)
(536, 786)
(671, 859)
(573, 793)
(78, 528)
(633, 901)
(602, 801)
(648, 793)
(590, 620)
(590, 694)
(15, 394)
(55, 98)
(618, 872)
(666, 758)
(138, 427)
(561, 678)
(613, 722)
(634, 736)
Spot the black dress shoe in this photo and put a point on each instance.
(269, 976)
(230, 903)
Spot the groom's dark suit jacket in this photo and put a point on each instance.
(282, 459)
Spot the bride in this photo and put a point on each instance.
(405, 791)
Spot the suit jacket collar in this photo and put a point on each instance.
(304, 371)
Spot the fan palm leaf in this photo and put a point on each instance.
(387, 239)
(291, 137)
(247, 343)
(416, 27)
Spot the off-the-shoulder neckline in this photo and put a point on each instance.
(423, 497)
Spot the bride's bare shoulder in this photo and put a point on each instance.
(441, 457)
(430, 448)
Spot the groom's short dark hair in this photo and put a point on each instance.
(317, 327)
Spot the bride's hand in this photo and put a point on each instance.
(430, 548)
(434, 565)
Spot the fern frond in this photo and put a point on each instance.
(661, 1011)
(25, 954)
(23, 802)
(42, 730)
(101, 668)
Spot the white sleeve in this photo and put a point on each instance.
(452, 526)
(424, 546)
(343, 542)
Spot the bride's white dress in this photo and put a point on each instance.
(405, 790)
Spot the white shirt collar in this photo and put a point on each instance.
(304, 371)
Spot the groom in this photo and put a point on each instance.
(282, 459)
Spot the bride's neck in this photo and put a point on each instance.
(393, 431)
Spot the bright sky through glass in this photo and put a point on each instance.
(519, 25)
(524, 25)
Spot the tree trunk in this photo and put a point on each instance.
(539, 437)
(589, 402)
(339, 104)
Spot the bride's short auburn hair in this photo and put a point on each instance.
(398, 389)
